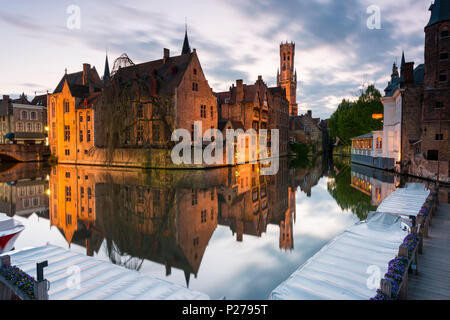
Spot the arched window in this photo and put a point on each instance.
(29, 126)
(284, 57)
(24, 115)
(38, 127)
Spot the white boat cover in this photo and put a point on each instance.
(9, 226)
(406, 201)
(341, 270)
(99, 280)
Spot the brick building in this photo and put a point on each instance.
(416, 112)
(256, 107)
(22, 121)
(306, 129)
(287, 79)
(71, 114)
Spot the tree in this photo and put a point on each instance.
(354, 118)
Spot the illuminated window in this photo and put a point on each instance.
(67, 133)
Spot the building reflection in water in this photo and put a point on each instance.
(167, 217)
(375, 183)
(23, 190)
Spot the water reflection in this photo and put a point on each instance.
(228, 231)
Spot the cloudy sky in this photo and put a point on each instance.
(336, 53)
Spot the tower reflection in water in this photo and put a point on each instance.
(167, 217)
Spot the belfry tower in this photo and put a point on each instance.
(287, 79)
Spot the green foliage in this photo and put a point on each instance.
(300, 149)
(348, 198)
(354, 118)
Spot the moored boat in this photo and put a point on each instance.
(10, 230)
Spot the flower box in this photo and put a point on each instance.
(395, 282)
(15, 283)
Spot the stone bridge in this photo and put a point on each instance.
(23, 152)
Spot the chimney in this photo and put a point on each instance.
(408, 75)
(166, 55)
(239, 90)
(310, 113)
(86, 68)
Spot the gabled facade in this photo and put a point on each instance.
(71, 115)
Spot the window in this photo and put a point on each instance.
(439, 105)
(68, 194)
(81, 118)
(67, 133)
(196, 241)
(439, 137)
(24, 115)
(67, 174)
(38, 127)
(203, 213)
(203, 111)
(140, 134)
(88, 117)
(33, 115)
(444, 33)
(212, 213)
(443, 56)
(69, 219)
(194, 86)
(53, 130)
(29, 126)
(67, 152)
(81, 135)
(195, 71)
(53, 109)
(194, 197)
(89, 193)
(88, 136)
(193, 132)
(433, 155)
(66, 106)
(443, 77)
(156, 132)
(19, 126)
(81, 192)
(140, 111)
(212, 112)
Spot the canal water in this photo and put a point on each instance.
(227, 232)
